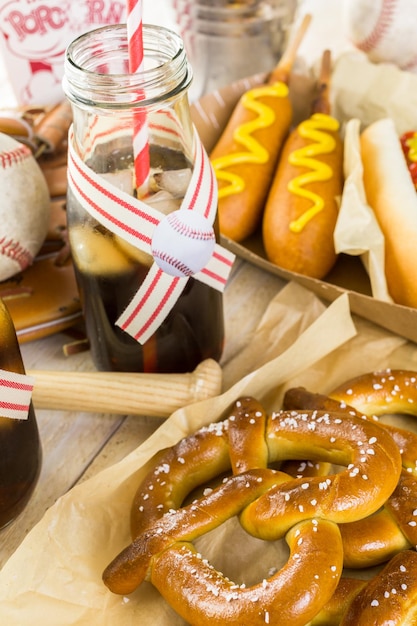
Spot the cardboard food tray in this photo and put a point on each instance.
(210, 115)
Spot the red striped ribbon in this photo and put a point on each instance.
(15, 394)
(135, 221)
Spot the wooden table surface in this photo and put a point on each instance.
(77, 445)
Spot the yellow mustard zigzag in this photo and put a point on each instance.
(304, 157)
(255, 153)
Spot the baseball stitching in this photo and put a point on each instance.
(173, 262)
(187, 231)
(411, 66)
(16, 252)
(9, 248)
(385, 20)
(13, 157)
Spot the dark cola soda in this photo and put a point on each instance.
(20, 448)
(109, 272)
(109, 106)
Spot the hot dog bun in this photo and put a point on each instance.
(391, 194)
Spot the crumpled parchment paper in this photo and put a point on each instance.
(357, 230)
(54, 578)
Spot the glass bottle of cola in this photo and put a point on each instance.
(20, 447)
(109, 270)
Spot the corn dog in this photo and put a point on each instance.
(302, 205)
(246, 154)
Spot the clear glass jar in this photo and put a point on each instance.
(20, 447)
(108, 270)
(227, 41)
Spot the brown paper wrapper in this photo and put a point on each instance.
(54, 578)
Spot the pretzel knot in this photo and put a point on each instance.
(378, 537)
(270, 505)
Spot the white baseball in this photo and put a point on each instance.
(183, 243)
(24, 207)
(384, 29)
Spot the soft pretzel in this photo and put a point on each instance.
(389, 598)
(206, 454)
(336, 437)
(292, 596)
(196, 460)
(371, 395)
(130, 568)
(203, 596)
(387, 391)
(384, 391)
(375, 539)
(332, 612)
(307, 509)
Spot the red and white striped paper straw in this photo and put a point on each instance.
(136, 62)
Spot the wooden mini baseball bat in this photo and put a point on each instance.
(125, 393)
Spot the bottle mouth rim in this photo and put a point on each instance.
(97, 67)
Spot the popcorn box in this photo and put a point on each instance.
(34, 35)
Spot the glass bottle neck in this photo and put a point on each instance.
(97, 70)
(106, 97)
